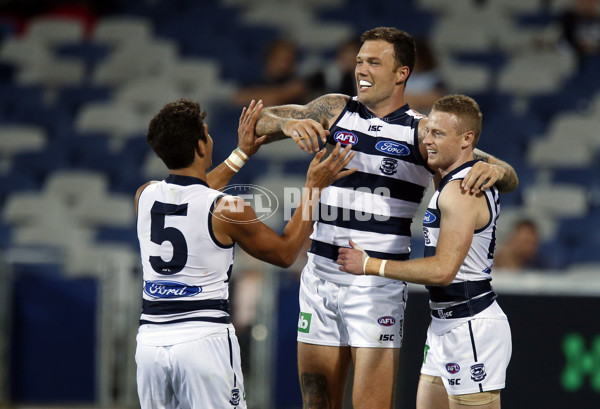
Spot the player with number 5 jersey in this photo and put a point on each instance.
(187, 352)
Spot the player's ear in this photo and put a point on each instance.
(200, 148)
(468, 138)
(402, 74)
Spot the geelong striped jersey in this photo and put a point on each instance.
(185, 269)
(474, 275)
(375, 205)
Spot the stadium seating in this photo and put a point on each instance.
(76, 99)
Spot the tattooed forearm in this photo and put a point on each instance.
(288, 111)
(271, 123)
(322, 110)
(480, 155)
(509, 181)
(314, 391)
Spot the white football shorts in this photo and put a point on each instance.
(472, 357)
(203, 373)
(344, 315)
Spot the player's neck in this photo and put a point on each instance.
(193, 171)
(387, 106)
(459, 162)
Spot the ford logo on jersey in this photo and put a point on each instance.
(452, 367)
(170, 289)
(428, 218)
(393, 148)
(345, 137)
(386, 321)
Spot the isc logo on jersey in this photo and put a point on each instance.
(345, 138)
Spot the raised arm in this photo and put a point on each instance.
(248, 144)
(235, 221)
(306, 124)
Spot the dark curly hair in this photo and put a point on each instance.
(173, 133)
(404, 44)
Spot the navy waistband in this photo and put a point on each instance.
(459, 291)
(218, 320)
(467, 309)
(180, 307)
(331, 252)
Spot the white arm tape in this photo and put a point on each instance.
(235, 160)
(231, 166)
(241, 153)
(365, 265)
(382, 268)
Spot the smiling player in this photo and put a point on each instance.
(468, 343)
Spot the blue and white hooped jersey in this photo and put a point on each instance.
(185, 269)
(374, 206)
(474, 274)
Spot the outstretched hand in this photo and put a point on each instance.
(248, 141)
(323, 172)
(482, 176)
(352, 260)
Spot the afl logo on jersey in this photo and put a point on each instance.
(452, 368)
(386, 321)
(345, 138)
(429, 217)
(170, 289)
(393, 148)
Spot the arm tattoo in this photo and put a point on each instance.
(314, 391)
(327, 107)
(510, 180)
(321, 110)
(480, 155)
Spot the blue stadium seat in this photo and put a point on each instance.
(37, 165)
(367, 14)
(15, 182)
(579, 232)
(493, 60)
(118, 235)
(586, 177)
(554, 254)
(74, 96)
(13, 97)
(5, 236)
(88, 52)
(93, 152)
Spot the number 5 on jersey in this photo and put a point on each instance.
(159, 234)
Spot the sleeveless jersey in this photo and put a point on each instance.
(474, 275)
(185, 269)
(375, 205)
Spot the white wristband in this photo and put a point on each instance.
(241, 153)
(365, 265)
(231, 166)
(236, 161)
(382, 268)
